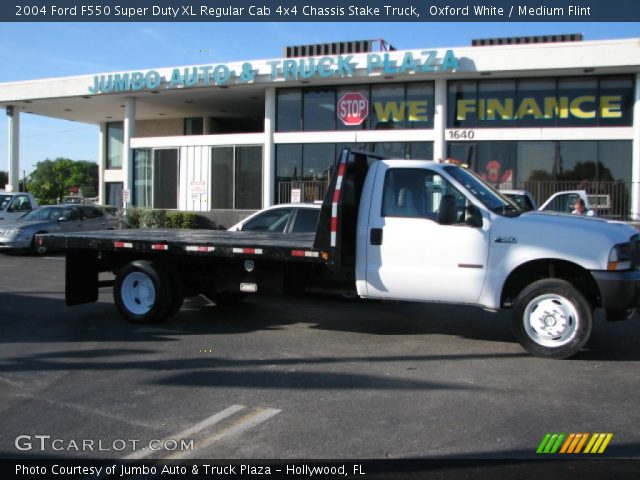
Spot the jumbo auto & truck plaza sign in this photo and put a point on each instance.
(341, 66)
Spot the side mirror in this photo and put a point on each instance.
(473, 218)
(447, 213)
(62, 219)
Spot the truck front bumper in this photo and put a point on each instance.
(618, 290)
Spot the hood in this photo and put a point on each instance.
(580, 223)
(586, 241)
(13, 224)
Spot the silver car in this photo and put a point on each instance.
(21, 234)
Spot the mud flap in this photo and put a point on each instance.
(81, 277)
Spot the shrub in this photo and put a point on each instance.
(152, 218)
(149, 218)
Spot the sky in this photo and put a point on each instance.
(45, 50)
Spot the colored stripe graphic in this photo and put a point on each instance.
(598, 443)
(574, 442)
(550, 443)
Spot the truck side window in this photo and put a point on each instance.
(20, 203)
(418, 193)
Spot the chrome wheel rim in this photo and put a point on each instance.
(551, 320)
(138, 293)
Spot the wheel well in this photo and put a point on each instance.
(529, 272)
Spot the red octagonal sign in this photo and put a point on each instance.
(353, 108)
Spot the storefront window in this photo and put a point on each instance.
(546, 102)
(113, 194)
(530, 112)
(193, 126)
(142, 178)
(165, 178)
(495, 103)
(602, 168)
(388, 107)
(580, 105)
(248, 178)
(317, 161)
(391, 106)
(114, 145)
(236, 177)
(222, 178)
(319, 109)
(289, 110)
(613, 91)
(420, 105)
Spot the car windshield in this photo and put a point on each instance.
(4, 201)
(489, 196)
(50, 213)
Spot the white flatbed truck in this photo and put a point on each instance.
(412, 230)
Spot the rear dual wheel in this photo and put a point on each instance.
(144, 292)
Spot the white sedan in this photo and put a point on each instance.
(285, 218)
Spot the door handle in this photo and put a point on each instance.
(375, 236)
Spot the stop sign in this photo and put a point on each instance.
(353, 108)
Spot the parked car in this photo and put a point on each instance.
(522, 198)
(13, 205)
(564, 202)
(21, 233)
(285, 218)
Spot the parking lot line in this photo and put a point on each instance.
(238, 427)
(185, 434)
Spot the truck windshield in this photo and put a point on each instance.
(490, 197)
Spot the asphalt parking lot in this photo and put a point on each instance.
(295, 378)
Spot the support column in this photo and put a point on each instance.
(635, 155)
(439, 123)
(269, 151)
(13, 154)
(206, 125)
(102, 137)
(128, 132)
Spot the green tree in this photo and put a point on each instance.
(52, 179)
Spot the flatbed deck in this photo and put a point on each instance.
(190, 242)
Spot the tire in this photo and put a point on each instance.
(552, 319)
(38, 249)
(143, 292)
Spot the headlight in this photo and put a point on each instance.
(620, 257)
(13, 232)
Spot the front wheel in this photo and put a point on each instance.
(552, 319)
(142, 292)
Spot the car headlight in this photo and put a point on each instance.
(620, 257)
(12, 232)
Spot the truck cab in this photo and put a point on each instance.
(436, 232)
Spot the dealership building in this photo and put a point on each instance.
(537, 113)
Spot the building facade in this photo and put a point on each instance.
(223, 139)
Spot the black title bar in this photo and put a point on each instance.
(320, 11)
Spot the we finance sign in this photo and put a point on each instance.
(340, 66)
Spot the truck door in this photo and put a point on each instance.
(415, 249)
